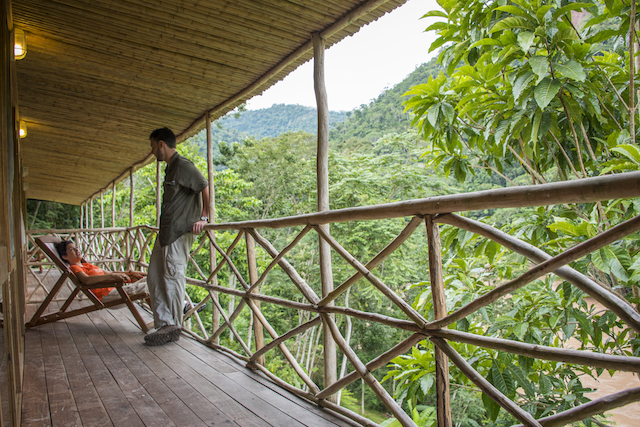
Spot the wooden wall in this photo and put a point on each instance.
(12, 230)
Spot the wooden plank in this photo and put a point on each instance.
(115, 402)
(62, 405)
(182, 386)
(148, 411)
(304, 411)
(277, 400)
(171, 403)
(182, 364)
(250, 403)
(90, 407)
(230, 366)
(35, 401)
(306, 406)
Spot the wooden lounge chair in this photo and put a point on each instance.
(47, 244)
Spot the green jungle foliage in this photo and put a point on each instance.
(529, 94)
(383, 115)
(519, 94)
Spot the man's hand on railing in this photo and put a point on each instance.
(198, 227)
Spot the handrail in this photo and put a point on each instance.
(584, 190)
(315, 311)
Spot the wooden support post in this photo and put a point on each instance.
(253, 278)
(131, 198)
(101, 210)
(91, 212)
(215, 314)
(440, 310)
(86, 214)
(113, 205)
(81, 215)
(158, 195)
(326, 273)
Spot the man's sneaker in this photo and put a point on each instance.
(165, 334)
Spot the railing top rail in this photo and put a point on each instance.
(584, 190)
(90, 230)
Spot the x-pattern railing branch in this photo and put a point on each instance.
(225, 255)
(282, 338)
(592, 408)
(484, 385)
(365, 374)
(375, 261)
(283, 348)
(386, 291)
(431, 212)
(607, 298)
(280, 256)
(297, 280)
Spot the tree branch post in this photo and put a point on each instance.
(326, 274)
(215, 314)
(253, 277)
(440, 310)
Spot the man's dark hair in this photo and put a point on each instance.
(61, 247)
(164, 134)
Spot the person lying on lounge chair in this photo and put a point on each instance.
(89, 274)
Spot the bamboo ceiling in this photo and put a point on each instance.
(100, 75)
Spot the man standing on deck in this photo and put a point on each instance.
(185, 212)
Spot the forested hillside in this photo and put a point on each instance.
(386, 113)
(268, 122)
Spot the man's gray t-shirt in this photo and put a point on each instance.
(181, 200)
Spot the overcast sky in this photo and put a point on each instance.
(360, 67)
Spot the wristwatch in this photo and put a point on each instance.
(204, 218)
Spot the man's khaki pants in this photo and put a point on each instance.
(167, 280)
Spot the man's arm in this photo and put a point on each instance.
(199, 225)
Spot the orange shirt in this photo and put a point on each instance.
(91, 270)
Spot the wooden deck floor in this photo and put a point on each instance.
(94, 370)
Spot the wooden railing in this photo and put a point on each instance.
(118, 248)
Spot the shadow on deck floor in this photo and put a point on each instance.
(94, 370)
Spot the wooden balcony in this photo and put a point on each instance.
(94, 370)
(184, 378)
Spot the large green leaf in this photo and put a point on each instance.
(564, 225)
(502, 380)
(630, 151)
(546, 90)
(521, 83)
(512, 22)
(542, 11)
(525, 40)
(433, 114)
(435, 13)
(522, 380)
(545, 384)
(426, 382)
(521, 329)
(540, 66)
(571, 70)
(492, 408)
(602, 35)
(514, 10)
(617, 261)
(569, 7)
(600, 260)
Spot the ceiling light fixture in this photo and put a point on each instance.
(19, 44)
(23, 129)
